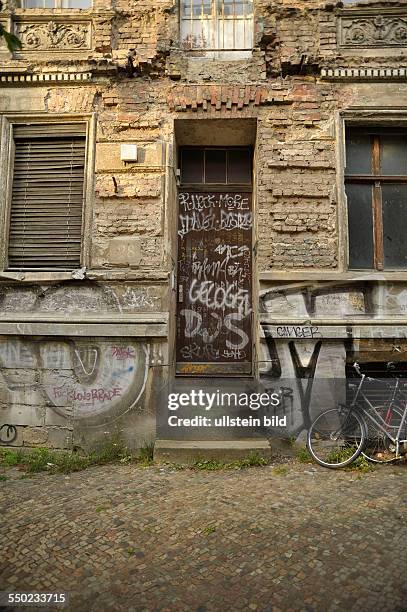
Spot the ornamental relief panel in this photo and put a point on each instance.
(374, 31)
(53, 36)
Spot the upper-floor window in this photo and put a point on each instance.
(217, 25)
(61, 4)
(376, 189)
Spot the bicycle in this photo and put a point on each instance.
(339, 435)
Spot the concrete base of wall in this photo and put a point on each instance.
(187, 451)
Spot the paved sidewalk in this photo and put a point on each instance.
(285, 537)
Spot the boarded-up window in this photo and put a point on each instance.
(47, 196)
(376, 189)
(220, 25)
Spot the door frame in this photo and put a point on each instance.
(222, 187)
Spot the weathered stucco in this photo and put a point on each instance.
(122, 64)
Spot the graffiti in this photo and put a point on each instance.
(214, 269)
(316, 367)
(80, 297)
(233, 250)
(87, 359)
(219, 296)
(189, 368)
(137, 298)
(215, 278)
(209, 222)
(234, 354)
(121, 352)
(193, 327)
(8, 433)
(231, 220)
(297, 362)
(307, 373)
(96, 381)
(99, 395)
(298, 331)
(199, 202)
(323, 300)
(195, 351)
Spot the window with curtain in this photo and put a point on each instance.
(221, 25)
(47, 196)
(376, 190)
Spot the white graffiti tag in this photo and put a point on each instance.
(194, 328)
(218, 297)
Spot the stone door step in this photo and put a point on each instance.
(189, 451)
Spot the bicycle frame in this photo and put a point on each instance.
(380, 423)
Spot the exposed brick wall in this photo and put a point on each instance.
(136, 59)
(140, 82)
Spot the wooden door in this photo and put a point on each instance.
(214, 306)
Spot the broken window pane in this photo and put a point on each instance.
(360, 225)
(394, 207)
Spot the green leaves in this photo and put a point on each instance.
(13, 43)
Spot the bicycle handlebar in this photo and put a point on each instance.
(358, 370)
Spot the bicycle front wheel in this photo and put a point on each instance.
(336, 437)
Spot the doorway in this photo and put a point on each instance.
(214, 265)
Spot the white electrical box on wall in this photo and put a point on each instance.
(128, 152)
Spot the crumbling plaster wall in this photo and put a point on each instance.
(59, 390)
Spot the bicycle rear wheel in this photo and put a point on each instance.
(379, 448)
(336, 437)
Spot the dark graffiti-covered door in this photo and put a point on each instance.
(214, 312)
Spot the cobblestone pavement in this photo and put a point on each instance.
(283, 537)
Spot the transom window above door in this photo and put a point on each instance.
(376, 190)
(216, 165)
(217, 25)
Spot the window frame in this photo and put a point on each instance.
(58, 6)
(213, 17)
(376, 180)
(248, 186)
(380, 118)
(6, 186)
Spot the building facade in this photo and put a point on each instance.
(196, 189)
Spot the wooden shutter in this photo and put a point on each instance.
(47, 196)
